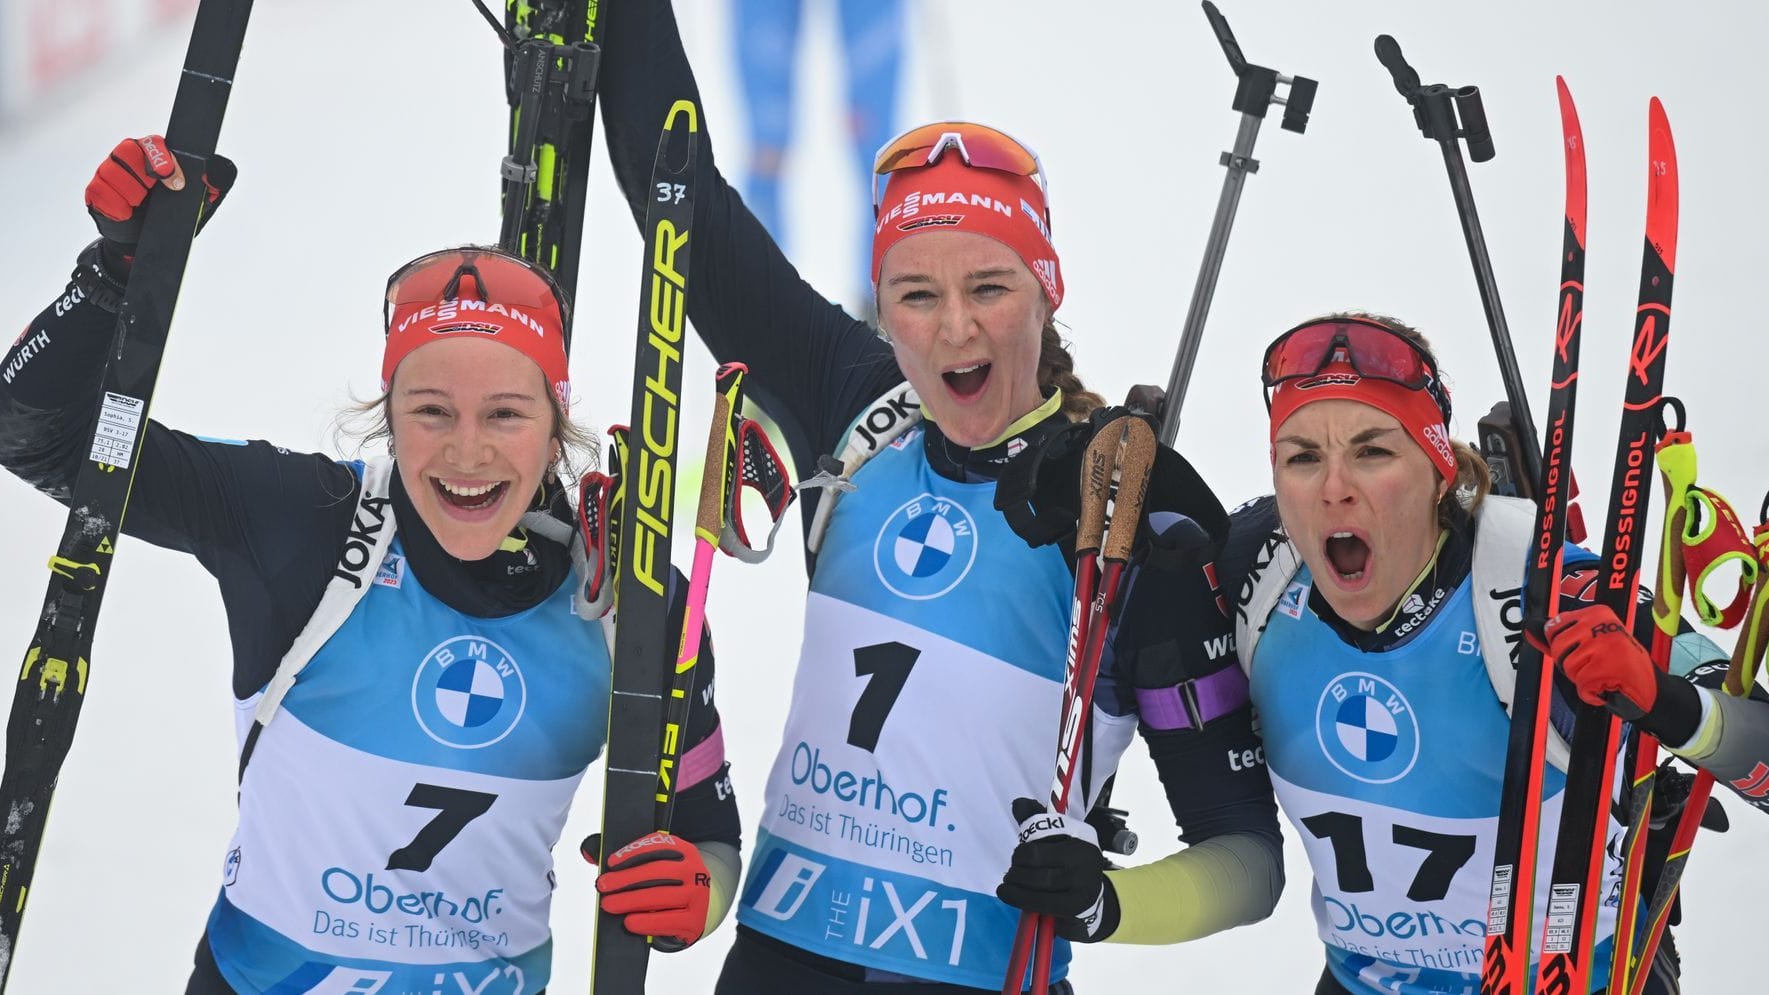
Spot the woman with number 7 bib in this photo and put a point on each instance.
(416, 694)
(931, 670)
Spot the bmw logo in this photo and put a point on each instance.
(925, 548)
(468, 693)
(1367, 729)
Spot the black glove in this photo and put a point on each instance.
(1058, 870)
(1040, 496)
(120, 187)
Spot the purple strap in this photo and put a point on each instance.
(1194, 703)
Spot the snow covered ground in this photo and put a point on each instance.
(367, 133)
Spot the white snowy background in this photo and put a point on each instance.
(367, 132)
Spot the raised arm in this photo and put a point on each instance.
(812, 365)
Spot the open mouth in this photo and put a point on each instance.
(1350, 556)
(477, 497)
(968, 381)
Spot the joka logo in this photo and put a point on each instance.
(1367, 729)
(1294, 597)
(925, 548)
(468, 693)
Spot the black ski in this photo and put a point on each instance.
(52, 683)
(1505, 970)
(552, 57)
(644, 646)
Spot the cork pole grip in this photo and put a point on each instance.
(1135, 460)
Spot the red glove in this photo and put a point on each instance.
(658, 884)
(1599, 655)
(121, 184)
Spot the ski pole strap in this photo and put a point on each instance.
(1712, 537)
(1747, 654)
(762, 471)
(721, 454)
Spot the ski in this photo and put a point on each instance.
(552, 58)
(1568, 935)
(52, 683)
(1511, 897)
(642, 640)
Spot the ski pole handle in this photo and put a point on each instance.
(719, 473)
(1406, 78)
(1136, 457)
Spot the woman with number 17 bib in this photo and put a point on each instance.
(1375, 588)
(931, 671)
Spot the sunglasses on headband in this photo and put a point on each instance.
(496, 276)
(978, 145)
(1374, 350)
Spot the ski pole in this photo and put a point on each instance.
(1255, 94)
(1510, 908)
(727, 469)
(1122, 453)
(1677, 466)
(1741, 676)
(1447, 116)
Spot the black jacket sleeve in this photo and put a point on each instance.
(813, 366)
(247, 511)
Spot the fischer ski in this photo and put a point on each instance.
(1121, 455)
(642, 641)
(52, 683)
(1568, 935)
(1512, 891)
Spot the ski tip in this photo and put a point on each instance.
(1661, 177)
(1573, 142)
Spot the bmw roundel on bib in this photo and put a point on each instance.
(1366, 728)
(468, 693)
(925, 548)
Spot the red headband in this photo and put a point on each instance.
(952, 196)
(1414, 409)
(535, 333)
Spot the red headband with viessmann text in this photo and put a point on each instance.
(534, 332)
(952, 196)
(1414, 409)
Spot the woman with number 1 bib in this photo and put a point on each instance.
(415, 694)
(931, 670)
